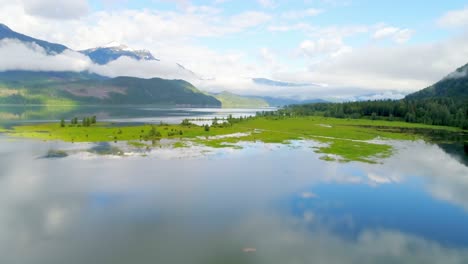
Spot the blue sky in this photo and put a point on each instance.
(349, 47)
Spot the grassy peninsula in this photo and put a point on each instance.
(343, 139)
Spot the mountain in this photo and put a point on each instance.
(113, 51)
(444, 103)
(268, 82)
(100, 55)
(50, 48)
(64, 88)
(230, 100)
(29, 77)
(454, 86)
(279, 102)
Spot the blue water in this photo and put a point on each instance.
(264, 203)
(403, 207)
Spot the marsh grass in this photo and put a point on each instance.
(349, 139)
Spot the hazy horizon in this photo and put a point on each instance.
(341, 49)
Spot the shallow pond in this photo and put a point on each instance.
(264, 203)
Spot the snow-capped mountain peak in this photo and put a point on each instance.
(114, 50)
(116, 45)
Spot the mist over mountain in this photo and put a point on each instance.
(84, 88)
(269, 82)
(114, 60)
(454, 85)
(51, 48)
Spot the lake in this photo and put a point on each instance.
(264, 203)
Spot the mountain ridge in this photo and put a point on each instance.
(49, 47)
(110, 52)
(44, 88)
(454, 85)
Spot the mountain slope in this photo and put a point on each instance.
(25, 77)
(100, 55)
(230, 100)
(280, 102)
(268, 82)
(23, 87)
(51, 48)
(445, 104)
(454, 86)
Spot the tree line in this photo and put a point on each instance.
(431, 111)
(86, 121)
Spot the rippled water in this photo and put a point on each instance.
(264, 203)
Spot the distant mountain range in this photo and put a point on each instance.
(265, 81)
(230, 100)
(279, 102)
(30, 87)
(59, 88)
(50, 48)
(99, 55)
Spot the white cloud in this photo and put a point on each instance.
(293, 27)
(454, 18)
(380, 96)
(56, 9)
(19, 56)
(267, 56)
(324, 46)
(208, 10)
(145, 29)
(396, 34)
(400, 68)
(266, 3)
(173, 37)
(249, 19)
(126, 66)
(459, 73)
(321, 32)
(220, 1)
(299, 14)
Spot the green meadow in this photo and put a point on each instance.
(341, 139)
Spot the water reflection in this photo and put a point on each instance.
(15, 114)
(261, 204)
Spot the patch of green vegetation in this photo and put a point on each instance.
(349, 140)
(350, 150)
(30, 96)
(328, 158)
(106, 149)
(179, 144)
(230, 100)
(53, 153)
(137, 144)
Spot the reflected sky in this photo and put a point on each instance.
(26, 114)
(260, 204)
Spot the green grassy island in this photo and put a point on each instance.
(343, 139)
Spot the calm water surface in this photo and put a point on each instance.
(260, 204)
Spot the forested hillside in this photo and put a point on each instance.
(444, 103)
(64, 88)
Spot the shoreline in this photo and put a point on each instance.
(341, 139)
